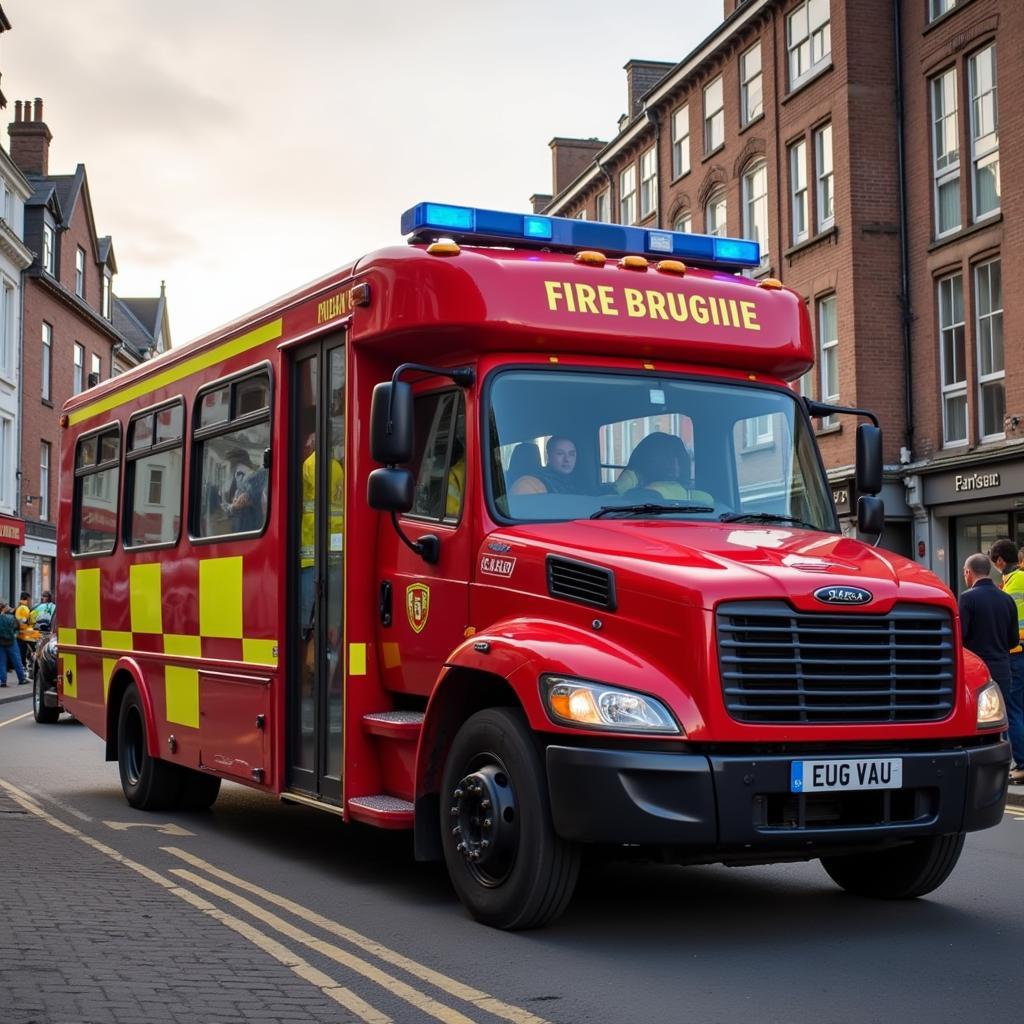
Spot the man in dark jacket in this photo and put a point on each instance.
(988, 620)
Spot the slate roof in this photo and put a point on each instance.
(134, 331)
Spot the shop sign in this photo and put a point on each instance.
(975, 481)
(1004, 479)
(12, 531)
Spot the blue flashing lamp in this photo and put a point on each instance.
(474, 226)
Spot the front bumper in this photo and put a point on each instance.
(713, 802)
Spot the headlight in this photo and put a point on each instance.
(582, 703)
(991, 710)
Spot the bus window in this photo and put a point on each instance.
(153, 476)
(97, 474)
(231, 453)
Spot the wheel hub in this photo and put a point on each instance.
(485, 823)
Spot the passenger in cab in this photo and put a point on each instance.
(557, 477)
(661, 463)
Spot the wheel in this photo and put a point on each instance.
(504, 859)
(148, 783)
(199, 790)
(902, 873)
(41, 713)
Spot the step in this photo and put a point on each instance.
(383, 811)
(395, 725)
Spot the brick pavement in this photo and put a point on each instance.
(84, 940)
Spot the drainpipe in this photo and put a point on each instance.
(906, 314)
(652, 119)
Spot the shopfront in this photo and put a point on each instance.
(12, 537)
(898, 528)
(968, 508)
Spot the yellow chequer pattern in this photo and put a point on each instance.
(220, 616)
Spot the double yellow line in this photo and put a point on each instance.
(352, 961)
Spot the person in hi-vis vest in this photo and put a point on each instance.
(307, 539)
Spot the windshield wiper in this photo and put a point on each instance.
(765, 517)
(647, 509)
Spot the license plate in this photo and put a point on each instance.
(858, 773)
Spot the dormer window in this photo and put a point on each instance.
(49, 249)
(106, 297)
(80, 272)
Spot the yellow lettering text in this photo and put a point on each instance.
(735, 312)
(554, 290)
(604, 294)
(677, 307)
(750, 316)
(656, 305)
(698, 309)
(586, 299)
(634, 302)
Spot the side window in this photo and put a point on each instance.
(439, 462)
(97, 474)
(153, 476)
(231, 453)
(762, 446)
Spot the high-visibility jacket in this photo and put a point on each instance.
(1013, 584)
(307, 547)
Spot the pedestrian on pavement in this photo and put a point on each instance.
(988, 621)
(1006, 558)
(44, 612)
(10, 656)
(27, 633)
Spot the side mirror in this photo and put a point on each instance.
(869, 459)
(391, 425)
(390, 489)
(870, 515)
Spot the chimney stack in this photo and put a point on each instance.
(570, 158)
(641, 77)
(30, 138)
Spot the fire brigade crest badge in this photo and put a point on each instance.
(417, 605)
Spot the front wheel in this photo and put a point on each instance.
(902, 873)
(505, 861)
(148, 783)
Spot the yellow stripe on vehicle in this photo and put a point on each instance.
(87, 599)
(220, 597)
(173, 374)
(357, 659)
(145, 590)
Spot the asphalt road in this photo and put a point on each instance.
(258, 910)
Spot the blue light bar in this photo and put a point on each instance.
(491, 227)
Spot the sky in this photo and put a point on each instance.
(239, 148)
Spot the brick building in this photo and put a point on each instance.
(68, 335)
(810, 125)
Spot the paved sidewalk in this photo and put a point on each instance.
(88, 941)
(13, 691)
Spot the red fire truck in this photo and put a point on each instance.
(517, 537)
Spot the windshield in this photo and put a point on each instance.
(575, 445)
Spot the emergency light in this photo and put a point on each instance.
(430, 221)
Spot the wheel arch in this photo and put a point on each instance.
(460, 692)
(124, 674)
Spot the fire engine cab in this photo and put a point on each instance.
(517, 537)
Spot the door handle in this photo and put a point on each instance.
(384, 605)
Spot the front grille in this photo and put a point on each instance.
(779, 666)
(788, 812)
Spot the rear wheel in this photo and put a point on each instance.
(148, 783)
(41, 713)
(902, 873)
(505, 861)
(199, 790)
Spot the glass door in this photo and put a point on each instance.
(316, 628)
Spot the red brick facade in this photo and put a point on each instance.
(853, 86)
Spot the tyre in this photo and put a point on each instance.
(41, 713)
(902, 873)
(148, 783)
(505, 861)
(199, 790)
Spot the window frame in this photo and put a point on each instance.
(798, 196)
(48, 257)
(627, 200)
(132, 457)
(78, 474)
(714, 117)
(681, 142)
(994, 376)
(460, 402)
(95, 368)
(718, 196)
(746, 82)
(648, 182)
(822, 222)
(983, 157)
(80, 272)
(937, 8)
(46, 360)
(826, 348)
(756, 166)
(44, 492)
(794, 46)
(107, 297)
(603, 198)
(681, 215)
(949, 172)
(198, 435)
(957, 388)
(7, 329)
(78, 368)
